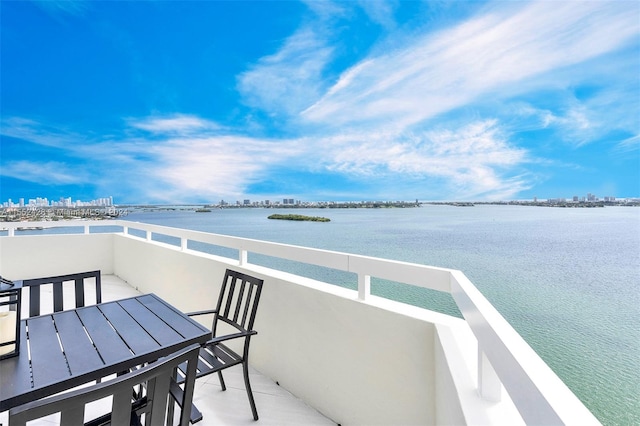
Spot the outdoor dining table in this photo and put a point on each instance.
(69, 348)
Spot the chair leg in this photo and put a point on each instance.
(224, 387)
(245, 368)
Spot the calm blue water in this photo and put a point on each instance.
(568, 280)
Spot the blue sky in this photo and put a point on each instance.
(194, 102)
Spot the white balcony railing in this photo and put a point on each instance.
(505, 362)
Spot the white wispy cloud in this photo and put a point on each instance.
(287, 81)
(380, 12)
(185, 158)
(631, 144)
(178, 167)
(474, 160)
(194, 157)
(36, 132)
(490, 53)
(179, 123)
(326, 9)
(215, 166)
(50, 172)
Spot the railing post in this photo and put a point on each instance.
(86, 229)
(12, 231)
(489, 384)
(183, 244)
(243, 257)
(364, 286)
(148, 235)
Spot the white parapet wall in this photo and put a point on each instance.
(357, 358)
(354, 362)
(48, 255)
(377, 362)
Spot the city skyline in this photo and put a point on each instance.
(61, 202)
(108, 201)
(192, 102)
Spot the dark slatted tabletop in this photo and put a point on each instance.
(63, 350)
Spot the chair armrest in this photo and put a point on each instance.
(207, 312)
(226, 337)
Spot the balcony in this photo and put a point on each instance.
(324, 354)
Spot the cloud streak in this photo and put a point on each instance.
(177, 158)
(284, 82)
(440, 72)
(177, 124)
(51, 172)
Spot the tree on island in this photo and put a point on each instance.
(299, 217)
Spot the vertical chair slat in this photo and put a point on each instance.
(58, 301)
(254, 306)
(34, 301)
(79, 292)
(246, 306)
(239, 300)
(230, 293)
(98, 288)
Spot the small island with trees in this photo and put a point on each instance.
(299, 217)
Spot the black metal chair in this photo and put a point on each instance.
(156, 378)
(39, 289)
(237, 307)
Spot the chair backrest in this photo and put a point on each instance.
(50, 290)
(156, 377)
(238, 301)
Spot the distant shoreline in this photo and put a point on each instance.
(31, 214)
(561, 204)
(531, 204)
(387, 204)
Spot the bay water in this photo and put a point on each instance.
(568, 280)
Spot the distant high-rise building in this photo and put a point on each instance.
(62, 202)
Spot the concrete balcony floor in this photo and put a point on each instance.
(276, 406)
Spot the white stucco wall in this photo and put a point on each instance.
(359, 364)
(354, 362)
(373, 362)
(189, 281)
(23, 257)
